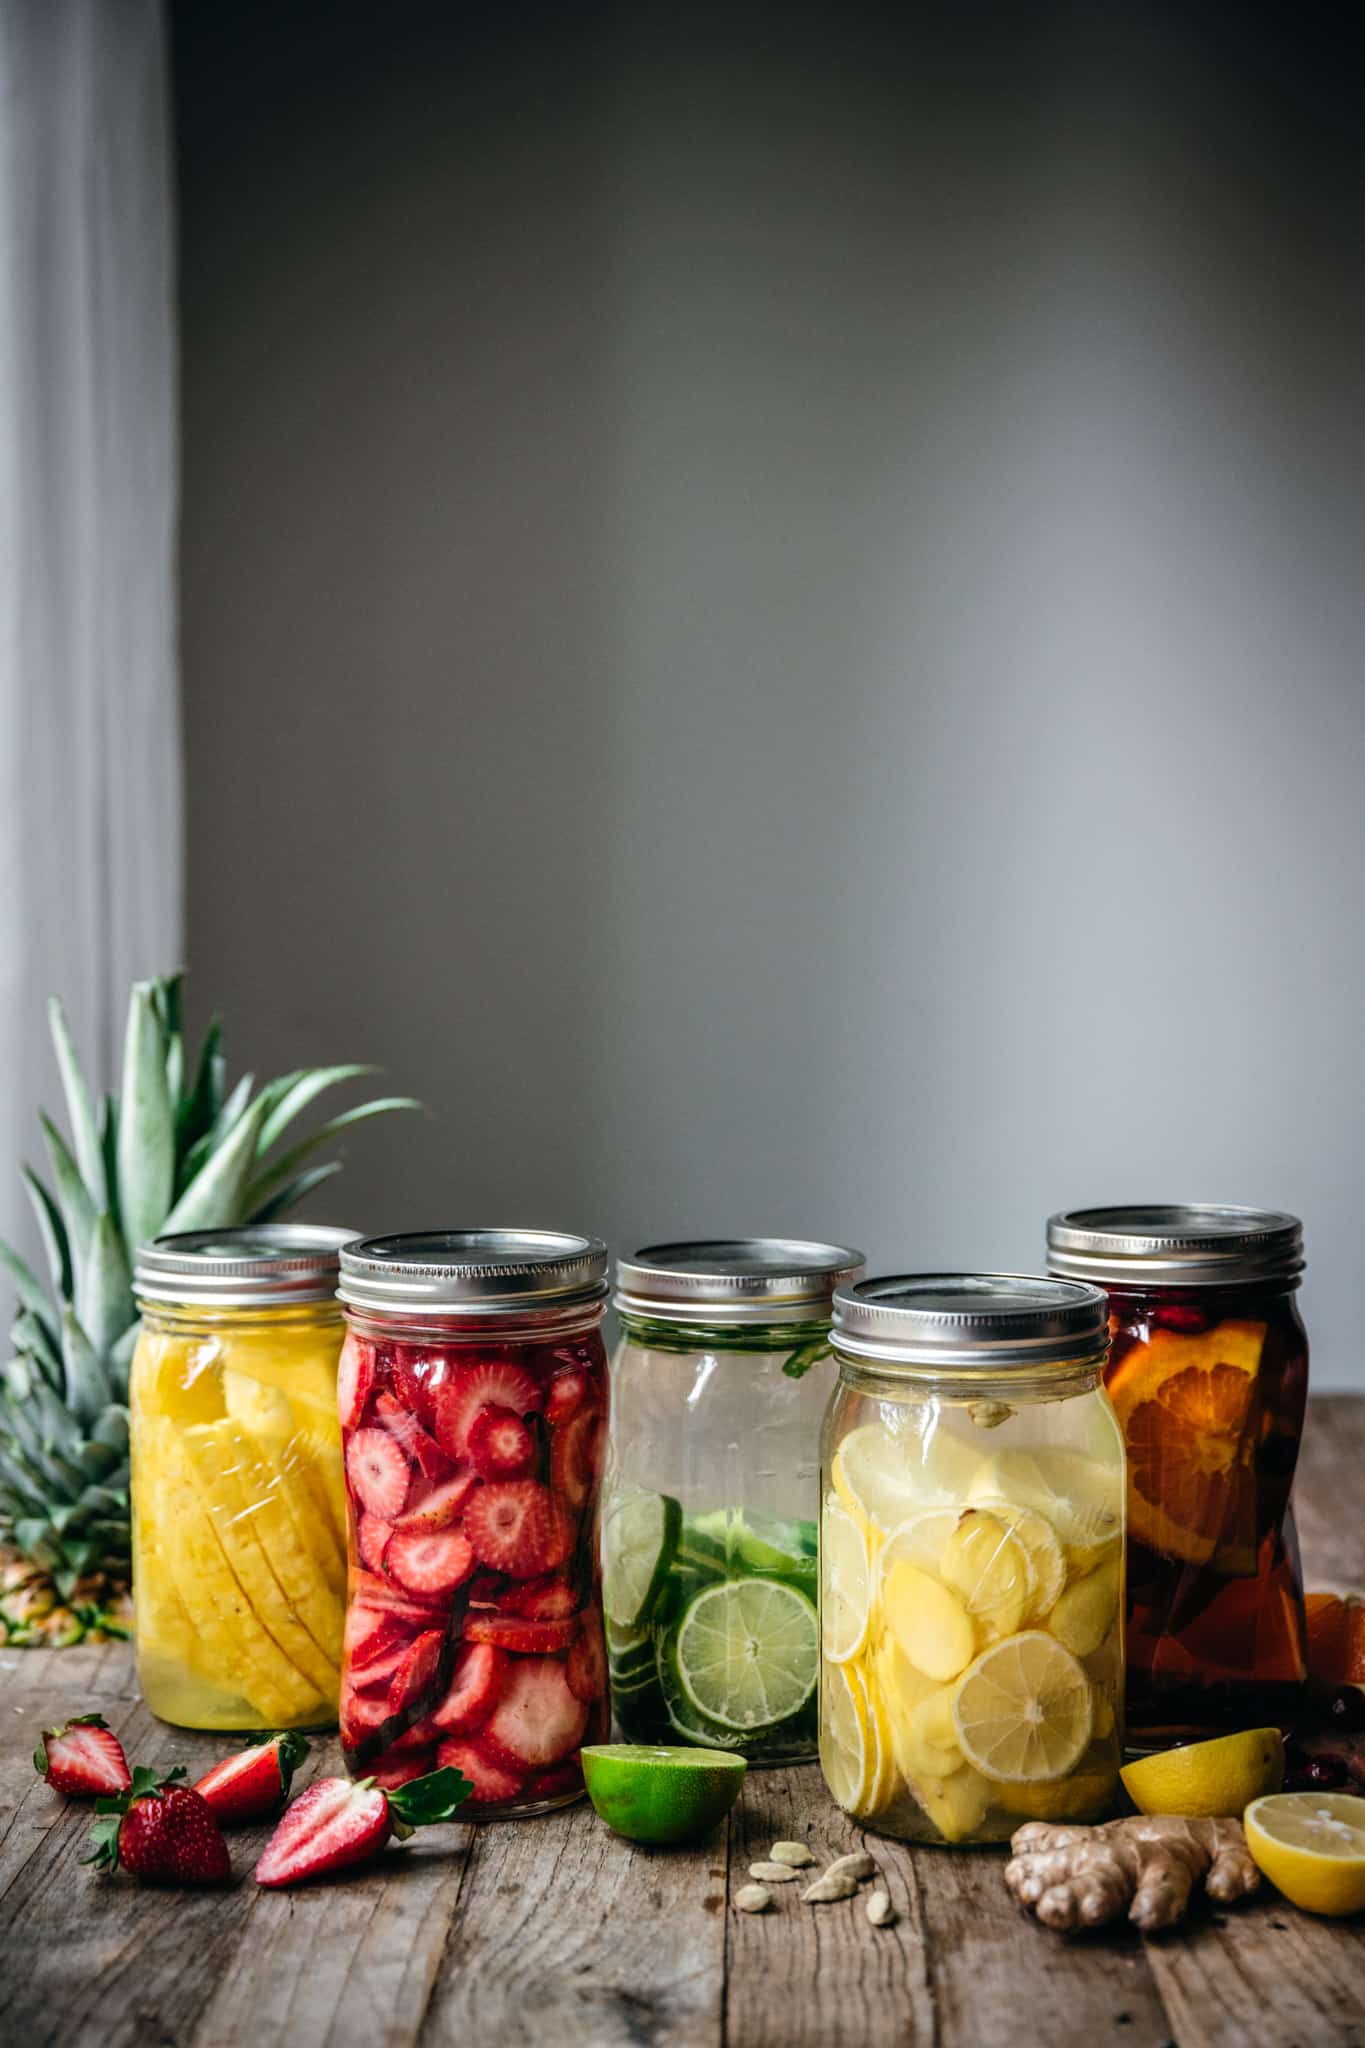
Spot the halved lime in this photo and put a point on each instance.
(639, 1537)
(659, 1795)
(748, 1652)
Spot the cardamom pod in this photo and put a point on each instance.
(752, 1898)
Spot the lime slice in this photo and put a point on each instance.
(759, 1542)
(845, 1598)
(1024, 1710)
(660, 1796)
(639, 1537)
(683, 1717)
(748, 1653)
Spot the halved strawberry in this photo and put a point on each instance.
(335, 1824)
(361, 1713)
(550, 1598)
(441, 1505)
(83, 1758)
(417, 1672)
(514, 1526)
(388, 1776)
(585, 1667)
(500, 1444)
(378, 1473)
(475, 1684)
(570, 1390)
(355, 1377)
(430, 1561)
(494, 1784)
(538, 1720)
(255, 1781)
(457, 1400)
(418, 1445)
(512, 1632)
(556, 1781)
(372, 1539)
(574, 1457)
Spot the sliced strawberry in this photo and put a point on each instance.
(430, 1562)
(372, 1539)
(550, 1598)
(570, 1390)
(417, 1672)
(423, 1734)
(511, 1632)
(370, 1633)
(457, 1400)
(378, 1473)
(585, 1667)
(475, 1684)
(556, 1781)
(389, 1775)
(515, 1527)
(494, 1784)
(537, 1721)
(484, 1589)
(377, 1676)
(500, 1444)
(361, 1713)
(574, 1458)
(254, 1782)
(372, 1589)
(83, 1758)
(355, 1377)
(440, 1506)
(414, 1373)
(418, 1445)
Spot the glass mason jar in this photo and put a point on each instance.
(239, 1526)
(473, 1401)
(709, 1526)
(971, 1558)
(1208, 1374)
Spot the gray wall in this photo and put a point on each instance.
(772, 618)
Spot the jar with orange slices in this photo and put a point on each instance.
(971, 1558)
(1208, 1374)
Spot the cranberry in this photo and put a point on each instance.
(1346, 1709)
(1183, 1317)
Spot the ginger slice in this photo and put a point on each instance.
(1150, 1863)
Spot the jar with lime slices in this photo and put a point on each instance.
(709, 1528)
(971, 1557)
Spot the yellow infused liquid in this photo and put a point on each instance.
(973, 1666)
(239, 1563)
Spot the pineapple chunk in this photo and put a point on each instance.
(928, 1621)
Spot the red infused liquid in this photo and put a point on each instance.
(474, 1624)
(1210, 1387)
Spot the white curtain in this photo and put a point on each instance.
(90, 801)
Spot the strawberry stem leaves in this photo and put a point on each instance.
(426, 1800)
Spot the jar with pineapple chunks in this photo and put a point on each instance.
(971, 1557)
(239, 1514)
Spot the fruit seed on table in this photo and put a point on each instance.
(857, 1865)
(794, 1853)
(833, 1885)
(753, 1898)
(880, 1910)
(773, 1873)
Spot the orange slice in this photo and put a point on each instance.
(1188, 1411)
(1336, 1637)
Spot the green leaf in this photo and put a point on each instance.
(146, 1134)
(73, 1197)
(40, 1340)
(204, 1148)
(215, 1196)
(303, 1089)
(109, 1148)
(195, 1113)
(292, 1193)
(433, 1798)
(52, 1231)
(87, 1389)
(104, 1296)
(281, 1169)
(293, 1748)
(120, 1359)
(800, 1362)
(27, 1284)
(84, 1136)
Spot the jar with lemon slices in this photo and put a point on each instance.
(239, 1517)
(971, 1558)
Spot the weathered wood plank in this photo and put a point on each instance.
(568, 1935)
(1327, 1492)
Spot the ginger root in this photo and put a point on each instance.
(1085, 1876)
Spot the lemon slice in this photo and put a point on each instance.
(1079, 1496)
(847, 1755)
(885, 1478)
(1217, 1777)
(1311, 1845)
(845, 1591)
(1024, 1710)
(1040, 1541)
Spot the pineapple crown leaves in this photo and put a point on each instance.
(147, 1784)
(176, 1149)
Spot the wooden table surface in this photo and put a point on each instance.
(554, 1931)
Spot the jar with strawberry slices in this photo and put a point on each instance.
(1208, 1374)
(473, 1402)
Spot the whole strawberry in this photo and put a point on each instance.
(336, 1824)
(82, 1758)
(160, 1830)
(254, 1782)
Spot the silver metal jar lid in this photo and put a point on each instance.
(1201, 1244)
(477, 1272)
(262, 1265)
(962, 1322)
(735, 1280)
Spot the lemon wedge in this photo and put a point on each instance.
(1217, 1777)
(1311, 1845)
